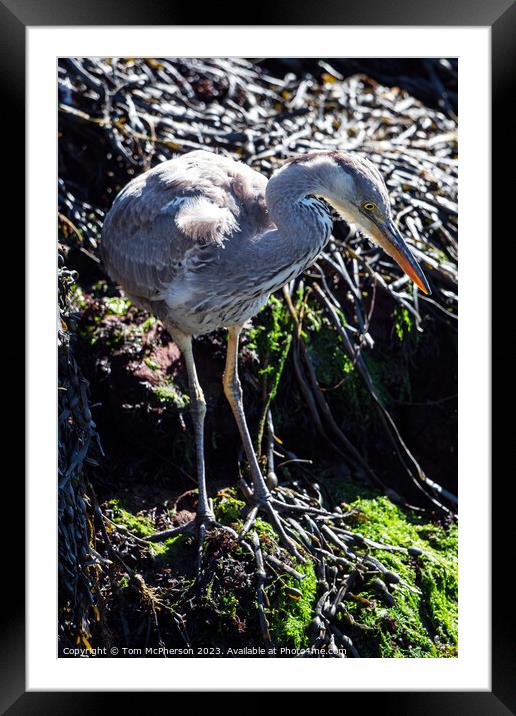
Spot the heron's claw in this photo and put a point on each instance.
(199, 526)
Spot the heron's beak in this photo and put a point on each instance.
(396, 247)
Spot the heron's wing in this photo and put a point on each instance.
(188, 206)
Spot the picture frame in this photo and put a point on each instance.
(18, 15)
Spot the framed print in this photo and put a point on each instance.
(273, 441)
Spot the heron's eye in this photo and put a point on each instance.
(369, 206)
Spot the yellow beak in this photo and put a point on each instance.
(396, 247)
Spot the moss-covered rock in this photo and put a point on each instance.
(140, 525)
(292, 608)
(423, 619)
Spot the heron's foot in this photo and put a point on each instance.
(281, 515)
(199, 527)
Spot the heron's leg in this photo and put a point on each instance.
(261, 496)
(205, 518)
(198, 412)
(233, 391)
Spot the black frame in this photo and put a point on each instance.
(500, 15)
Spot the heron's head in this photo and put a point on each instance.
(357, 191)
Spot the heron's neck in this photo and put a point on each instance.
(293, 206)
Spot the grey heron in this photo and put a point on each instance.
(201, 241)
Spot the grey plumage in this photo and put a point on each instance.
(174, 235)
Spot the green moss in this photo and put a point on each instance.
(117, 305)
(139, 525)
(228, 605)
(169, 394)
(107, 334)
(100, 287)
(346, 392)
(270, 340)
(290, 616)
(169, 549)
(151, 364)
(264, 529)
(267, 337)
(403, 322)
(229, 511)
(77, 297)
(148, 323)
(228, 508)
(330, 360)
(142, 526)
(123, 582)
(423, 620)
